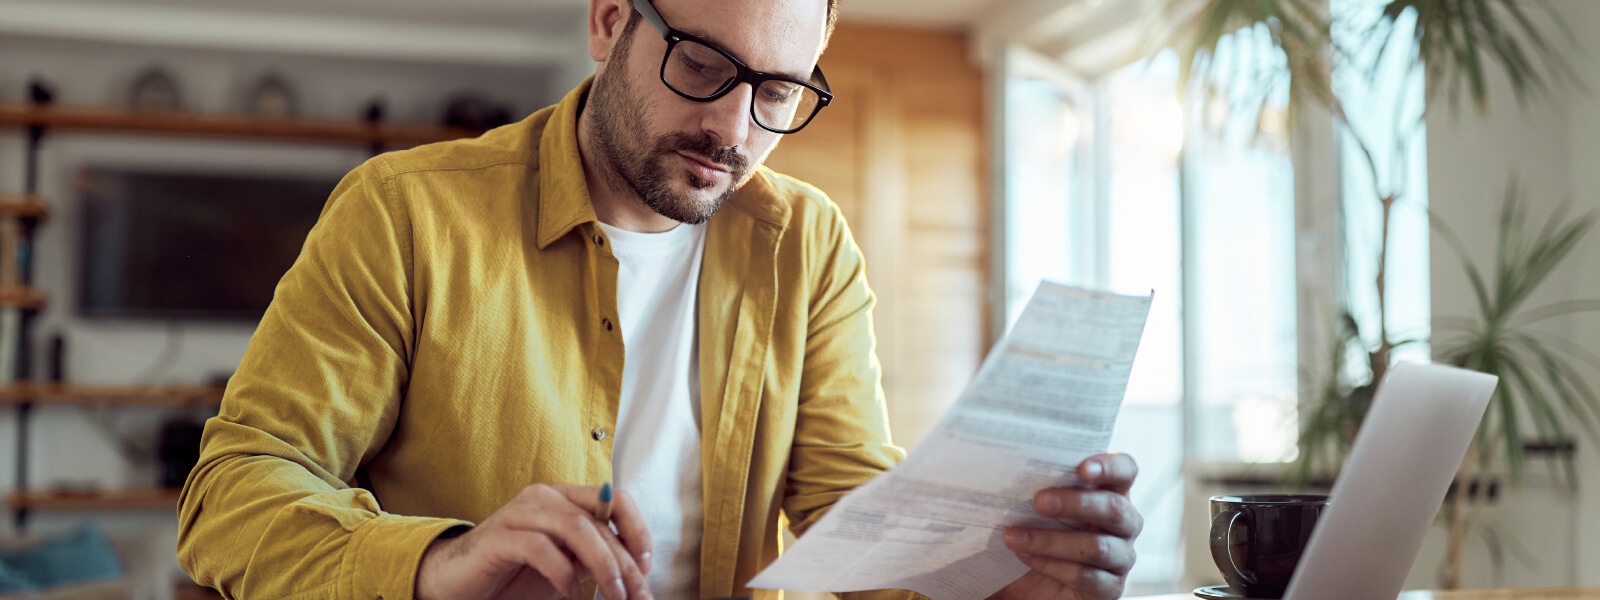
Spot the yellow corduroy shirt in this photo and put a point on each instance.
(447, 337)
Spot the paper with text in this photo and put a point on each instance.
(1044, 400)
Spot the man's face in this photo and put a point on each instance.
(682, 157)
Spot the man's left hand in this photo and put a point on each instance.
(1090, 564)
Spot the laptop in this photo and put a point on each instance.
(1392, 484)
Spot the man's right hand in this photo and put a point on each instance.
(542, 544)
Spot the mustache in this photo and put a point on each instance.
(705, 147)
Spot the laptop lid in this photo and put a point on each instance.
(1407, 452)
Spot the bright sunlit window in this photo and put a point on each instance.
(1129, 183)
(1385, 111)
(1140, 194)
(1240, 210)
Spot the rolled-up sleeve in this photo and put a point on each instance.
(271, 510)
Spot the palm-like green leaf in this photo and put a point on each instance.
(1559, 309)
(1542, 387)
(1455, 42)
(1544, 390)
(1296, 27)
(1479, 290)
(1546, 407)
(1327, 433)
(1578, 398)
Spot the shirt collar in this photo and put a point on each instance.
(564, 195)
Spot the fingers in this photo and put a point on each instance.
(632, 529)
(575, 532)
(1088, 581)
(614, 572)
(632, 573)
(625, 514)
(537, 552)
(1112, 472)
(1109, 553)
(1111, 512)
(583, 497)
(559, 515)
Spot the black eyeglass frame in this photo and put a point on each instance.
(742, 72)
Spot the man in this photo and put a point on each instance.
(452, 343)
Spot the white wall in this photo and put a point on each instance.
(1553, 151)
(1584, 163)
(67, 446)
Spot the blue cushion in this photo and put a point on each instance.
(13, 581)
(75, 557)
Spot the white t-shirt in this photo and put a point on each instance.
(656, 451)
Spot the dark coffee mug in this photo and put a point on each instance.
(1256, 540)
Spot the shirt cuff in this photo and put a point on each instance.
(386, 552)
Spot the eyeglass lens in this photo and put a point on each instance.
(700, 71)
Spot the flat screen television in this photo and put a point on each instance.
(178, 245)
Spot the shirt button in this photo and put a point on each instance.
(598, 241)
(606, 323)
(598, 434)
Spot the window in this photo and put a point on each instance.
(1122, 183)
(1047, 177)
(1384, 108)
(1141, 246)
(1103, 211)
(1135, 195)
(1239, 205)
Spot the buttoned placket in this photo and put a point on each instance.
(606, 363)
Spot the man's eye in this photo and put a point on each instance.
(694, 65)
(778, 93)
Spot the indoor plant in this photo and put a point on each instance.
(1541, 379)
(1455, 44)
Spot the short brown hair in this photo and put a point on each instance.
(833, 19)
(827, 30)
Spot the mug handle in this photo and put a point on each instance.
(1222, 531)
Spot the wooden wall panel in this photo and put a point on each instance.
(902, 151)
(828, 153)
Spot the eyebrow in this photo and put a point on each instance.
(724, 47)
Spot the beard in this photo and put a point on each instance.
(651, 165)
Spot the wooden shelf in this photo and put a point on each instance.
(21, 297)
(222, 125)
(163, 395)
(95, 500)
(189, 591)
(23, 205)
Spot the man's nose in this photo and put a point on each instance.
(728, 118)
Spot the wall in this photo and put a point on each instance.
(71, 445)
(901, 149)
(1551, 149)
(1583, 161)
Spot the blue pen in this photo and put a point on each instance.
(602, 511)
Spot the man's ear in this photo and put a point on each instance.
(607, 19)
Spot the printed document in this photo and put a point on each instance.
(1044, 400)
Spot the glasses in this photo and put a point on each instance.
(700, 71)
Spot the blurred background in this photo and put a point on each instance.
(1314, 189)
